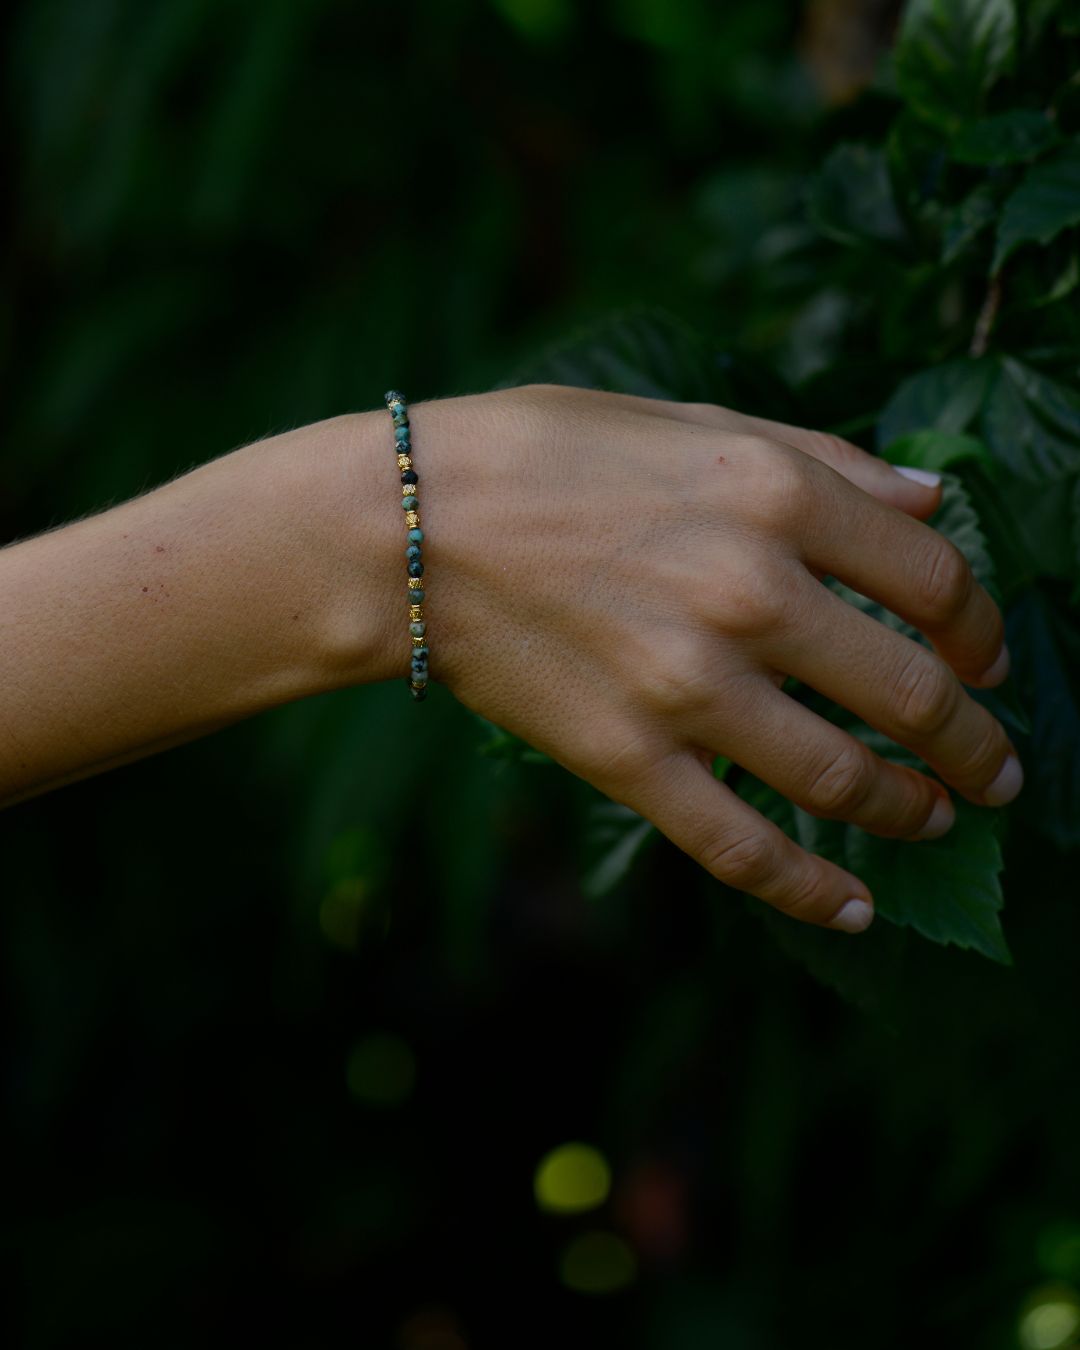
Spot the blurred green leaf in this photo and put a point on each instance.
(614, 838)
(539, 20)
(966, 221)
(1006, 138)
(851, 200)
(1046, 202)
(950, 52)
(642, 350)
(946, 397)
(1032, 423)
(935, 450)
(1046, 658)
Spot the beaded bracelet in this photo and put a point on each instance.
(418, 675)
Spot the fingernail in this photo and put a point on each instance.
(923, 476)
(997, 671)
(1006, 785)
(942, 819)
(853, 917)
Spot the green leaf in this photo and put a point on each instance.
(1046, 202)
(1007, 138)
(851, 199)
(640, 350)
(1045, 647)
(936, 450)
(1042, 523)
(1042, 276)
(947, 397)
(957, 519)
(950, 52)
(947, 889)
(1029, 422)
(505, 745)
(871, 977)
(918, 163)
(1075, 504)
(614, 838)
(965, 222)
(1032, 423)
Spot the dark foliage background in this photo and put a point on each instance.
(283, 1059)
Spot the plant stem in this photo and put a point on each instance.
(985, 322)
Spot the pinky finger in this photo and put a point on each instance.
(738, 846)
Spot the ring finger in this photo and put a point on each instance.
(904, 690)
(821, 767)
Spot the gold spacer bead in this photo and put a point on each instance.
(418, 642)
(404, 461)
(412, 518)
(408, 489)
(416, 583)
(416, 611)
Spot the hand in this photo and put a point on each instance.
(626, 582)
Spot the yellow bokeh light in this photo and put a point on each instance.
(597, 1263)
(572, 1178)
(1052, 1322)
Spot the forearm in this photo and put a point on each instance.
(261, 577)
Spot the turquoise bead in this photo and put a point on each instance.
(409, 503)
(419, 677)
(417, 629)
(393, 396)
(415, 535)
(401, 435)
(416, 597)
(412, 552)
(419, 652)
(401, 418)
(415, 568)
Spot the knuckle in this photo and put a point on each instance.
(777, 478)
(924, 695)
(831, 448)
(756, 601)
(804, 894)
(743, 860)
(674, 677)
(983, 757)
(842, 786)
(943, 583)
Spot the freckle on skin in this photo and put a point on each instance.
(160, 548)
(720, 459)
(145, 589)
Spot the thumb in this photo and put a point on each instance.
(916, 492)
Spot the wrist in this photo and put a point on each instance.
(350, 495)
(347, 543)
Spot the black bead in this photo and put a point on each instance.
(410, 476)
